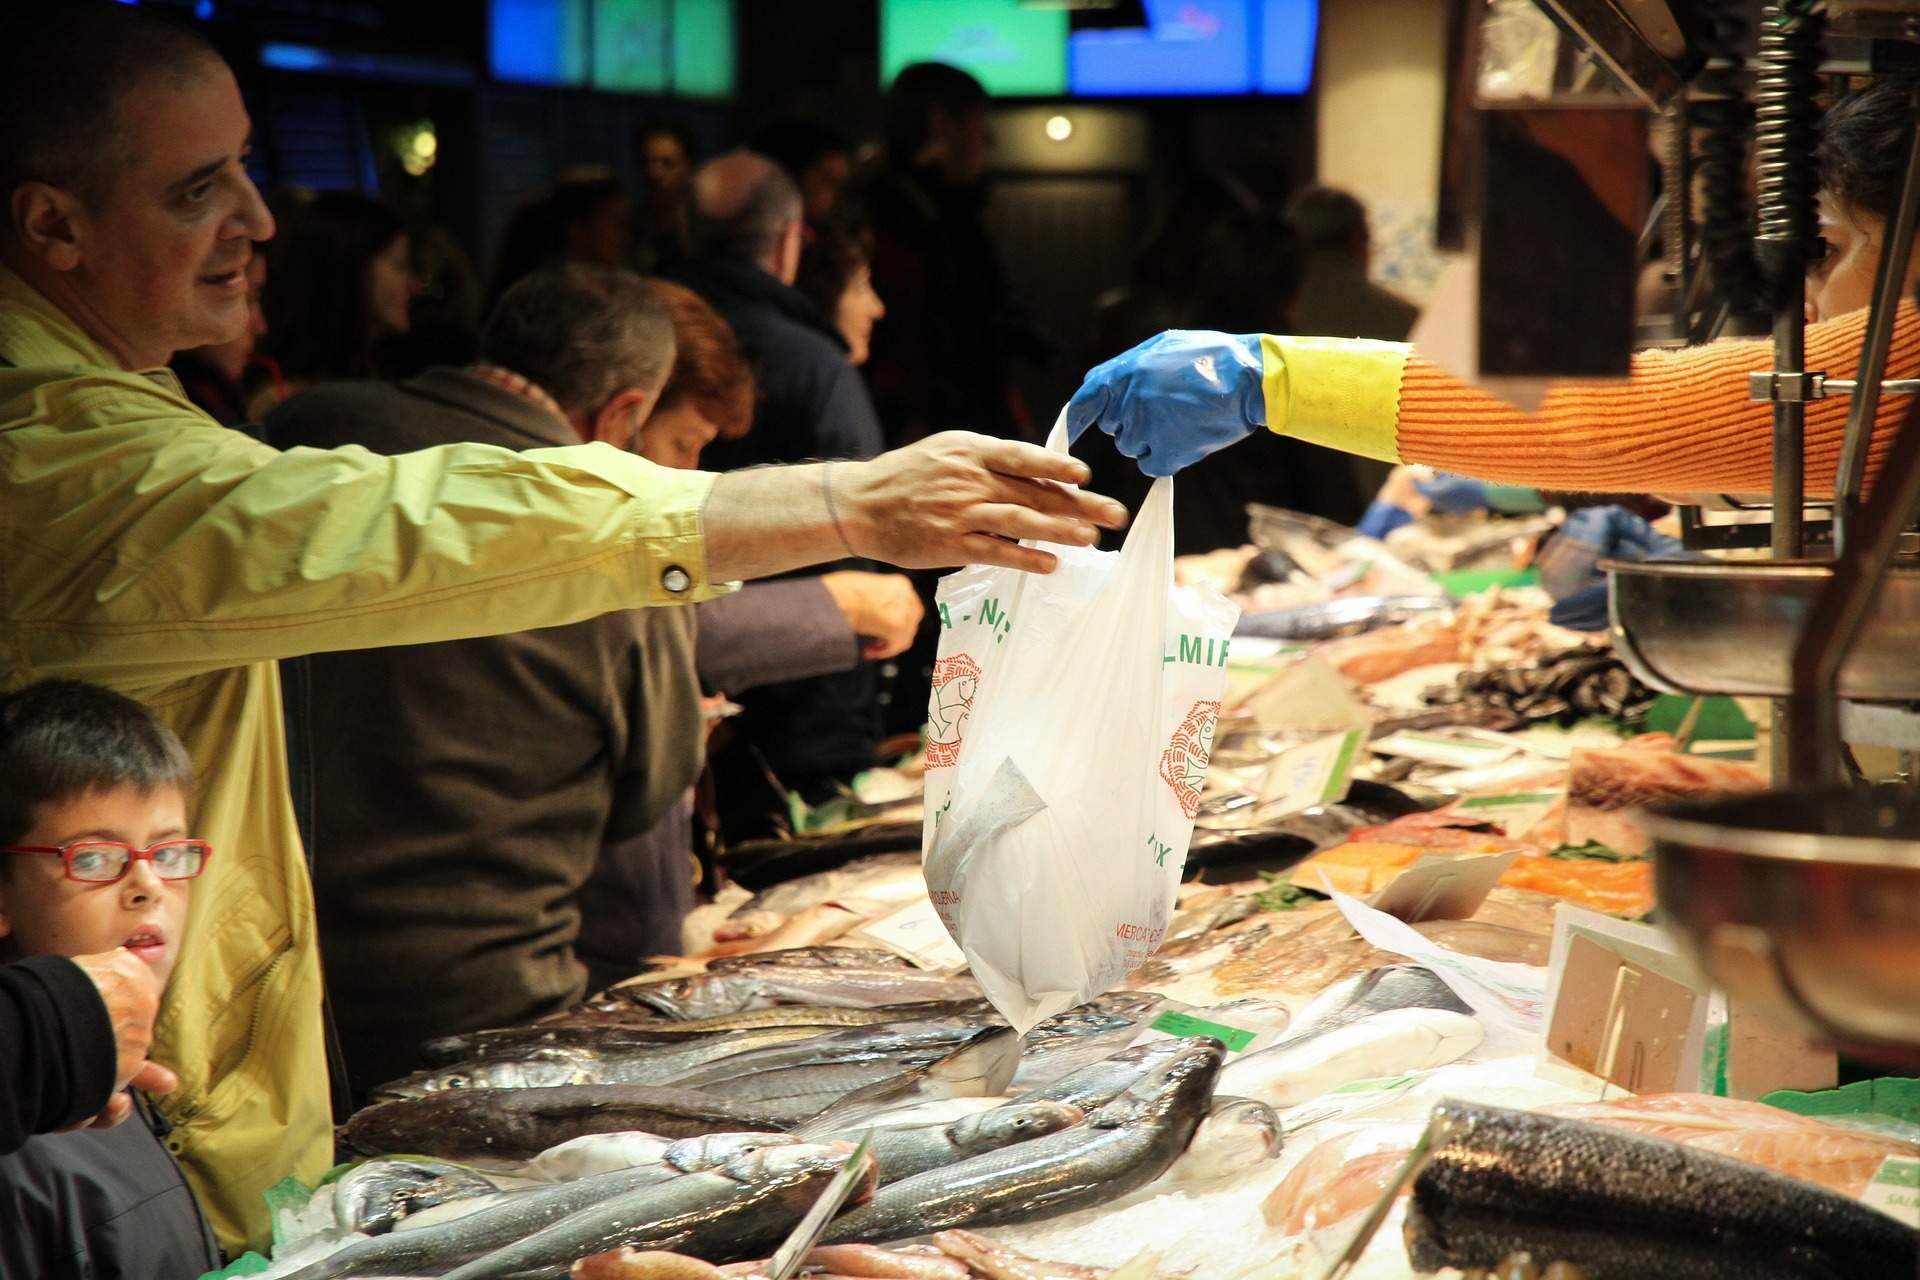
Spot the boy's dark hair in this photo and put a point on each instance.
(59, 738)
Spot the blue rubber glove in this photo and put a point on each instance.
(1175, 398)
(1382, 518)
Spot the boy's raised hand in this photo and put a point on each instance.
(132, 996)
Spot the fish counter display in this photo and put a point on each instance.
(1305, 1074)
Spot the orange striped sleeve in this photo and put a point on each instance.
(1681, 421)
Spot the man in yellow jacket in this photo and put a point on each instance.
(144, 547)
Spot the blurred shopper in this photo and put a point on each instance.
(816, 734)
(343, 281)
(584, 216)
(213, 376)
(664, 155)
(836, 274)
(816, 156)
(641, 889)
(1337, 299)
(944, 358)
(446, 312)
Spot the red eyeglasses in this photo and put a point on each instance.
(106, 861)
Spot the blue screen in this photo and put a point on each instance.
(1193, 47)
(538, 41)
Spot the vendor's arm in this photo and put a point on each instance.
(211, 549)
(1682, 420)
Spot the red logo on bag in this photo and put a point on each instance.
(955, 681)
(1184, 763)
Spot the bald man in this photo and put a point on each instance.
(813, 404)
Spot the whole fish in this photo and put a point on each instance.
(1385, 1044)
(609, 1152)
(513, 1125)
(796, 1094)
(1124, 1145)
(850, 1044)
(378, 1193)
(1099, 1083)
(979, 1068)
(639, 1023)
(1348, 615)
(517, 1215)
(1390, 986)
(503, 1042)
(1067, 1042)
(884, 877)
(901, 1151)
(813, 958)
(737, 1211)
(1619, 1204)
(544, 1067)
(1238, 1134)
(708, 995)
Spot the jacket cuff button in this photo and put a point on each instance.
(676, 579)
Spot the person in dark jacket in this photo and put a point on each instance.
(816, 734)
(469, 785)
(94, 856)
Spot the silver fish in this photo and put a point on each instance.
(850, 1044)
(506, 1042)
(1237, 1135)
(822, 957)
(376, 1194)
(901, 1151)
(1618, 1204)
(1346, 616)
(1124, 1145)
(979, 1068)
(707, 995)
(1067, 1042)
(1099, 1083)
(1391, 986)
(545, 1067)
(735, 1212)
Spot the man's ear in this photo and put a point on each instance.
(618, 420)
(47, 221)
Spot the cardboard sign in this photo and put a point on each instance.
(916, 934)
(1313, 773)
(1764, 1054)
(1442, 888)
(1623, 1008)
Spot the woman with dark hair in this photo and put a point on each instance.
(343, 280)
(836, 274)
(583, 217)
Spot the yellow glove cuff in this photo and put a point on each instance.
(1343, 393)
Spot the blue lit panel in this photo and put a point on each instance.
(538, 41)
(1287, 30)
(1188, 47)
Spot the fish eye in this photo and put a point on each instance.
(458, 1081)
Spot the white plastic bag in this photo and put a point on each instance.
(1070, 722)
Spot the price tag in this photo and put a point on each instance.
(1442, 888)
(1895, 1189)
(1516, 813)
(915, 934)
(1313, 773)
(1243, 1027)
(1622, 1007)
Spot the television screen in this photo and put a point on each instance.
(538, 41)
(1010, 48)
(1197, 47)
(703, 48)
(630, 46)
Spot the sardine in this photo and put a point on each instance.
(1384, 1044)
(537, 1068)
(1124, 1145)
(979, 1068)
(1619, 1204)
(1238, 1134)
(378, 1193)
(513, 1125)
(901, 1151)
(725, 1214)
(707, 995)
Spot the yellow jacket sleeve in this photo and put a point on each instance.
(137, 531)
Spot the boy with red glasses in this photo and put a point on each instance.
(95, 856)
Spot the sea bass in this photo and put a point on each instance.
(1124, 1145)
(979, 1068)
(612, 1063)
(729, 991)
(375, 1195)
(513, 1125)
(1237, 1135)
(1618, 1204)
(737, 1211)
(518, 1214)
(901, 1151)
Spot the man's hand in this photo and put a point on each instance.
(958, 498)
(883, 608)
(132, 996)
